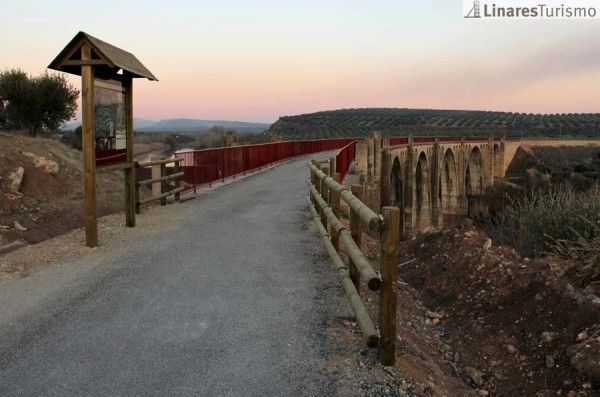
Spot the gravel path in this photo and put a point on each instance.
(228, 301)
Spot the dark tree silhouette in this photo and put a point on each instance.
(37, 103)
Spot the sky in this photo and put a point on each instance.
(256, 60)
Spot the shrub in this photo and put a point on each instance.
(560, 213)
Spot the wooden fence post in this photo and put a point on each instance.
(332, 169)
(130, 200)
(324, 188)
(313, 179)
(178, 181)
(136, 168)
(335, 206)
(356, 230)
(164, 185)
(387, 292)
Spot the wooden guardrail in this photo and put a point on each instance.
(324, 202)
(163, 184)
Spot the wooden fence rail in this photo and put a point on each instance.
(324, 201)
(160, 181)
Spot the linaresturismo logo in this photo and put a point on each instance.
(528, 9)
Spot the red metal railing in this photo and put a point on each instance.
(344, 157)
(203, 167)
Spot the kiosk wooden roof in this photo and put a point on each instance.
(106, 59)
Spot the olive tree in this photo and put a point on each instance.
(37, 103)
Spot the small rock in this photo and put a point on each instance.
(572, 393)
(511, 349)
(584, 358)
(431, 314)
(583, 335)
(548, 336)
(16, 179)
(484, 393)
(20, 227)
(456, 357)
(475, 375)
(49, 166)
(470, 233)
(487, 244)
(550, 362)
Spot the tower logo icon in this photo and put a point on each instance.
(475, 12)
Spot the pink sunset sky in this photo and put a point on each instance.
(258, 60)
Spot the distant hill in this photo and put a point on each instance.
(195, 125)
(142, 123)
(396, 121)
(187, 125)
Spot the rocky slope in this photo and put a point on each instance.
(41, 189)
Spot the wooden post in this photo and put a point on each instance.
(387, 292)
(313, 181)
(156, 186)
(130, 201)
(129, 173)
(335, 207)
(384, 182)
(88, 146)
(332, 169)
(324, 188)
(136, 167)
(177, 181)
(323, 192)
(164, 185)
(356, 230)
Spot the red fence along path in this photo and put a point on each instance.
(344, 157)
(202, 167)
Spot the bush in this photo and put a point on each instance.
(560, 213)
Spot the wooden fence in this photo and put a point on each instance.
(326, 194)
(163, 184)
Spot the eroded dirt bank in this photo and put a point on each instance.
(478, 319)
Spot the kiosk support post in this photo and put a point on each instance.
(130, 171)
(88, 146)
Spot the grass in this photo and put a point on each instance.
(557, 220)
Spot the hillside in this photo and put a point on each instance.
(188, 125)
(41, 189)
(195, 125)
(395, 121)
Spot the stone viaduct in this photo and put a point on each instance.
(432, 179)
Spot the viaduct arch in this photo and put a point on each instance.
(432, 180)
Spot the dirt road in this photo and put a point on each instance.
(224, 298)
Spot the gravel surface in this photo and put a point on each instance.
(221, 296)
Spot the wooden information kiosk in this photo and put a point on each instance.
(107, 73)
